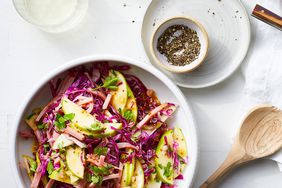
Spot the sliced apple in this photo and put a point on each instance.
(153, 182)
(181, 149)
(131, 105)
(119, 96)
(127, 172)
(87, 123)
(163, 160)
(82, 118)
(74, 163)
(62, 176)
(61, 142)
(30, 121)
(109, 130)
(138, 176)
(180, 140)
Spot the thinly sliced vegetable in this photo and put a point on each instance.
(130, 112)
(181, 150)
(153, 182)
(62, 176)
(62, 141)
(127, 173)
(138, 176)
(109, 131)
(119, 96)
(164, 161)
(180, 140)
(74, 161)
(31, 121)
(82, 119)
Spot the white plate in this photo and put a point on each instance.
(227, 25)
(165, 88)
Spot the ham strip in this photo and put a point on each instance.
(150, 115)
(112, 176)
(36, 179)
(50, 183)
(126, 145)
(77, 142)
(107, 101)
(74, 133)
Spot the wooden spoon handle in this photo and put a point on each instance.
(233, 159)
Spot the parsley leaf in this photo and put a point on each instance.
(50, 167)
(101, 150)
(110, 83)
(128, 115)
(60, 122)
(32, 164)
(97, 180)
(42, 126)
(168, 169)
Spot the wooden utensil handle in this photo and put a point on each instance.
(233, 159)
(267, 16)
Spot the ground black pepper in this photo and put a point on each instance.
(179, 44)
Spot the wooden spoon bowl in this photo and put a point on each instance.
(260, 135)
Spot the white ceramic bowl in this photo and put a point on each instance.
(153, 78)
(161, 60)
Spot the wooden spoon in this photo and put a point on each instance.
(260, 135)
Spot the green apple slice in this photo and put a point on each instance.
(119, 96)
(106, 133)
(181, 149)
(127, 172)
(85, 121)
(82, 118)
(74, 163)
(130, 112)
(179, 138)
(153, 182)
(138, 176)
(61, 142)
(164, 162)
(62, 176)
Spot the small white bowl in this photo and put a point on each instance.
(161, 60)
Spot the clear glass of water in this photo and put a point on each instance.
(53, 16)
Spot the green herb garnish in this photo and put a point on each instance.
(101, 150)
(50, 167)
(32, 164)
(42, 126)
(128, 115)
(60, 122)
(110, 83)
(168, 169)
(97, 180)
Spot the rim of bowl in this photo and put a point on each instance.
(103, 57)
(201, 60)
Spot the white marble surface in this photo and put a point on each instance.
(27, 54)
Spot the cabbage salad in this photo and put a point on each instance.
(103, 128)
